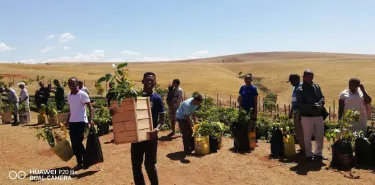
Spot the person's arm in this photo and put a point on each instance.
(161, 110)
(366, 96)
(341, 107)
(322, 99)
(255, 109)
(239, 99)
(86, 100)
(180, 96)
(194, 117)
(67, 120)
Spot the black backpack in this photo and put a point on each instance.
(342, 155)
(170, 95)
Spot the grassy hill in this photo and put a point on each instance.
(220, 74)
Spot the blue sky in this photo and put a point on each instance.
(145, 30)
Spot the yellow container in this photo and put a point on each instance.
(63, 150)
(202, 145)
(52, 120)
(252, 139)
(289, 146)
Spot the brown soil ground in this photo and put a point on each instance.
(22, 151)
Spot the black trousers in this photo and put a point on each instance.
(148, 149)
(187, 135)
(76, 132)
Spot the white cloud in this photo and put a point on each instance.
(65, 37)
(198, 54)
(154, 59)
(95, 56)
(66, 47)
(129, 53)
(4, 47)
(50, 36)
(46, 49)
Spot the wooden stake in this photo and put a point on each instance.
(329, 114)
(217, 99)
(285, 110)
(230, 100)
(334, 109)
(235, 104)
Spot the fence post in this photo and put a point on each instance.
(235, 104)
(289, 108)
(277, 109)
(285, 110)
(259, 103)
(217, 98)
(334, 109)
(220, 103)
(230, 100)
(329, 114)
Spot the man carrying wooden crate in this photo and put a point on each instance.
(148, 148)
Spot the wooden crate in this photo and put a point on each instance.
(132, 120)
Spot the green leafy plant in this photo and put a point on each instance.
(65, 109)
(228, 116)
(48, 134)
(204, 128)
(99, 88)
(102, 116)
(22, 108)
(124, 87)
(6, 107)
(343, 132)
(52, 110)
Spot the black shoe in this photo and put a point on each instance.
(321, 157)
(78, 167)
(171, 134)
(310, 159)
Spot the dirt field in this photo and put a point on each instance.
(22, 151)
(212, 75)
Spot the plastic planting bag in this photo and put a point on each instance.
(241, 139)
(63, 149)
(277, 145)
(93, 154)
(363, 151)
(342, 155)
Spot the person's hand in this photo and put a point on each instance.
(152, 135)
(362, 87)
(91, 122)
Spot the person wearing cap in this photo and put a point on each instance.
(13, 100)
(24, 98)
(295, 81)
(310, 102)
(184, 114)
(355, 97)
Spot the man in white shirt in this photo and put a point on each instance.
(13, 100)
(77, 119)
(24, 98)
(82, 87)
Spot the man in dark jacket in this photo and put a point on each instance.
(310, 101)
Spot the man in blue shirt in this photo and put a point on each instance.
(184, 114)
(248, 98)
(295, 81)
(148, 148)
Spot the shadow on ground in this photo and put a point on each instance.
(178, 156)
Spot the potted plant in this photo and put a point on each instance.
(63, 114)
(101, 119)
(23, 113)
(216, 137)
(342, 151)
(240, 131)
(42, 116)
(201, 133)
(7, 111)
(52, 113)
